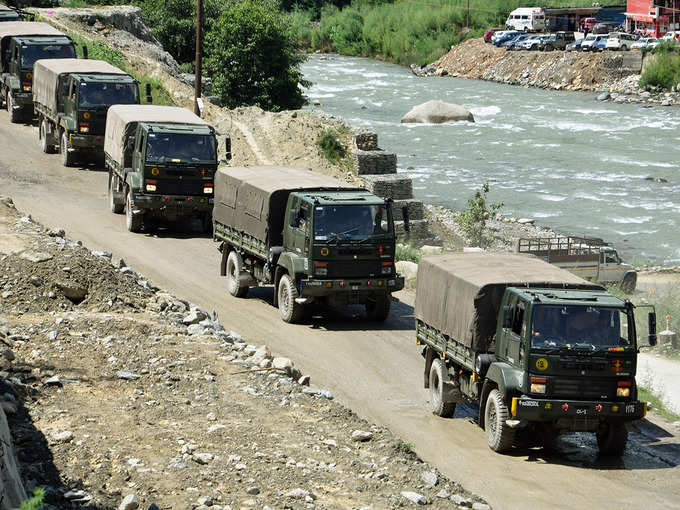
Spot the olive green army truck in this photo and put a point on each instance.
(10, 14)
(316, 239)
(22, 43)
(161, 162)
(537, 347)
(72, 97)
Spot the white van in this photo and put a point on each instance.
(528, 19)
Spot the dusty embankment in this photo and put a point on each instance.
(614, 72)
(118, 389)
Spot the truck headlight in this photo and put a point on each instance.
(386, 270)
(150, 187)
(207, 190)
(27, 87)
(538, 385)
(321, 268)
(623, 392)
(84, 128)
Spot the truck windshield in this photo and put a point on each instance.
(29, 54)
(91, 95)
(579, 327)
(180, 148)
(350, 222)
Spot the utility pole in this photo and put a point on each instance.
(198, 67)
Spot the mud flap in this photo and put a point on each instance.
(452, 393)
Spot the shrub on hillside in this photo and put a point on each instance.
(252, 57)
(663, 72)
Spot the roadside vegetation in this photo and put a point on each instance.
(663, 73)
(473, 220)
(408, 253)
(657, 405)
(36, 501)
(331, 146)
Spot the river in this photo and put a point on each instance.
(571, 163)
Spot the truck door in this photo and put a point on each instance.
(299, 225)
(517, 331)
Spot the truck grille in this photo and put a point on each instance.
(582, 388)
(353, 269)
(180, 187)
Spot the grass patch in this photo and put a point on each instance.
(331, 146)
(663, 73)
(657, 405)
(404, 447)
(407, 252)
(99, 51)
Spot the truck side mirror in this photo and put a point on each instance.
(85, 53)
(507, 317)
(227, 148)
(651, 320)
(149, 97)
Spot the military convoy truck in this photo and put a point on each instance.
(72, 97)
(538, 348)
(22, 43)
(586, 257)
(161, 162)
(9, 14)
(316, 239)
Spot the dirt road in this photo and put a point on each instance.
(376, 371)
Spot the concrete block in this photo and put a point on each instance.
(374, 162)
(415, 209)
(418, 231)
(389, 186)
(366, 141)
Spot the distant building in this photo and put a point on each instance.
(652, 17)
(571, 18)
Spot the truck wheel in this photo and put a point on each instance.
(66, 156)
(439, 374)
(612, 441)
(379, 308)
(498, 434)
(629, 283)
(46, 147)
(133, 222)
(13, 114)
(234, 268)
(115, 207)
(290, 311)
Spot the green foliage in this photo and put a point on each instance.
(36, 502)
(407, 253)
(664, 70)
(99, 51)
(404, 447)
(473, 220)
(253, 57)
(645, 395)
(331, 146)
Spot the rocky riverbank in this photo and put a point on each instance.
(121, 394)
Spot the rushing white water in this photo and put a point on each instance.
(563, 158)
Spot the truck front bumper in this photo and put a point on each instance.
(535, 410)
(351, 290)
(87, 142)
(177, 205)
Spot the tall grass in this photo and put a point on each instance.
(406, 31)
(664, 70)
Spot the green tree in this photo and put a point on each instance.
(473, 220)
(252, 57)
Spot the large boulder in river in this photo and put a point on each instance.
(437, 112)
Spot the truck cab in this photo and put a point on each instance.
(342, 241)
(19, 54)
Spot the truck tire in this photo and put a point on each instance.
(439, 374)
(379, 308)
(629, 283)
(290, 311)
(499, 436)
(46, 147)
(13, 114)
(612, 440)
(115, 207)
(234, 268)
(133, 222)
(66, 156)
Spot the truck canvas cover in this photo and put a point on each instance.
(25, 28)
(253, 199)
(46, 75)
(122, 119)
(460, 293)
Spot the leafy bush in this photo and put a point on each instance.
(36, 502)
(253, 58)
(329, 145)
(663, 72)
(472, 220)
(408, 253)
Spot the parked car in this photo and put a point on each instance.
(512, 43)
(604, 27)
(619, 41)
(531, 43)
(575, 46)
(489, 32)
(644, 44)
(556, 41)
(592, 42)
(670, 36)
(507, 35)
(588, 23)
